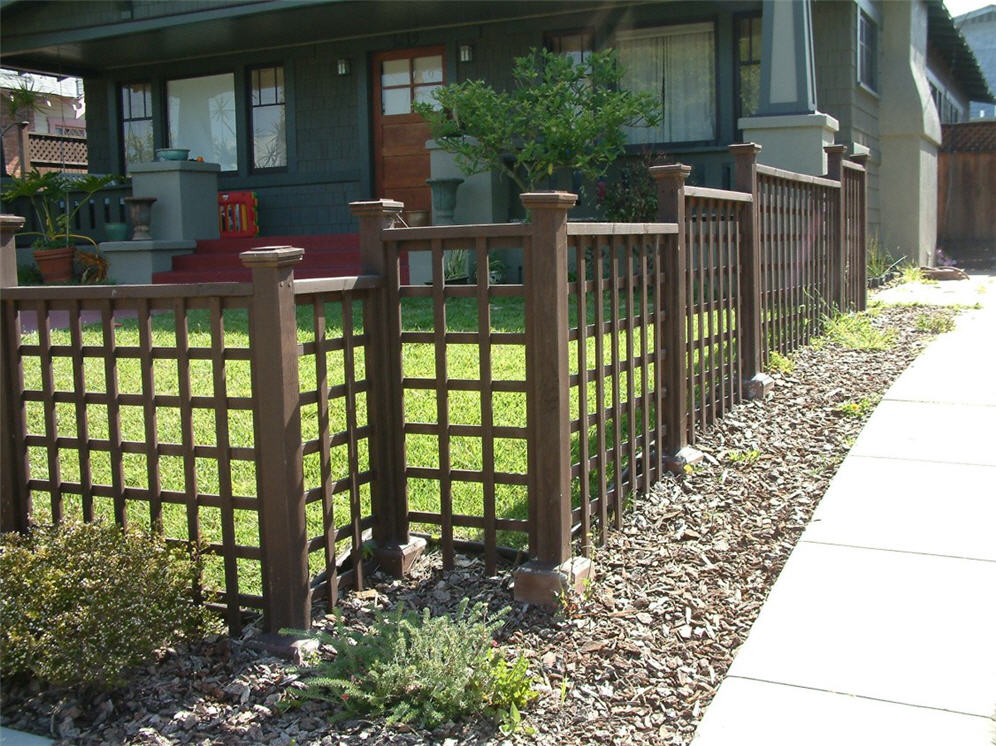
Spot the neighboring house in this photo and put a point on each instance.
(54, 137)
(979, 30)
(309, 102)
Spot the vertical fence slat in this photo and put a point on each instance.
(598, 272)
(180, 324)
(352, 456)
(149, 415)
(645, 483)
(113, 411)
(442, 401)
(616, 388)
(48, 406)
(319, 324)
(628, 248)
(581, 271)
(487, 408)
(220, 411)
(82, 419)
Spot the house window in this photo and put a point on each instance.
(136, 123)
(578, 45)
(748, 65)
(201, 115)
(867, 51)
(267, 114)
(677, 64)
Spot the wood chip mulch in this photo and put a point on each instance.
(636, 659)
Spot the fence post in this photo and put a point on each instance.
(548, 413)
(862, 160)
(13, 505)
(279, 453)
(675, 453)
(396, 550)
(757, 384)
(835, 156)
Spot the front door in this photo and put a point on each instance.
(401, 162)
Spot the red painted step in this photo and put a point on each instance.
(217, 260)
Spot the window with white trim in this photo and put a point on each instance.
(867, 51)
(678, 64)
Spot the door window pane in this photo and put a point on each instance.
(428, 70)
(201, 114)
(423, 94)
(397, 100)
(395, 72)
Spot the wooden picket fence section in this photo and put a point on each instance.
(294, 465)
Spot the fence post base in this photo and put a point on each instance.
(396, 560)
(543, 583)
(759, 386)
(677, 462)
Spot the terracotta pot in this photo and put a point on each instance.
(55, 265)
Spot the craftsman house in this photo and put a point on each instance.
(309, 104)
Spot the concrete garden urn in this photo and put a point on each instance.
(443, 199)
(140, 214)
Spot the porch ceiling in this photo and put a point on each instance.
(221, 28)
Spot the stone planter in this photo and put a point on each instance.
(140, 214)
(443, 199)
(56, 265)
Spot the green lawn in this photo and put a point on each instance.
(508, 363)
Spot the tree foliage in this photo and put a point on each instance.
(559, 114)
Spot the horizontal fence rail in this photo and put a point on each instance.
(299, 429)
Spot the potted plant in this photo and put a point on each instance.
(55, 244)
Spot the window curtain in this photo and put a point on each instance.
(677, 65)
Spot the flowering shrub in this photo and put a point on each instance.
(81, 603)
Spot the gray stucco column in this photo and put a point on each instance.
(909, 135)
(788, 126)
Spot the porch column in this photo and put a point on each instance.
(788, 126)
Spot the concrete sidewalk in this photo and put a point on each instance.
(881, 629)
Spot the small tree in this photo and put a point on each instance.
(559, 115)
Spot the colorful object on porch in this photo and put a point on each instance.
(172, 154)
(237, 214)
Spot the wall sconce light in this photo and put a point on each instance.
(342, 66)
(466, 53)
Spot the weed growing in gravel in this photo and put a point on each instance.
(743, 457)
(858, 408)
(421, 669)
(934, 323)
(854, 331)
(779, 363)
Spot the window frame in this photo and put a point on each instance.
(738, 64)
(122, 119)
(672, 29)
(867, 18)
(250, 123)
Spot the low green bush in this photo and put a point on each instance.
(81, 603)
(422, 669)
